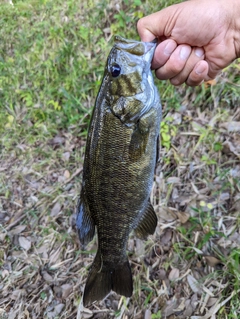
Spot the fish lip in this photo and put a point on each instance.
(150, 45)
(154, 40)
(118, 38)
(134, 46)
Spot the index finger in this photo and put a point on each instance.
(157, 24)
(145, 30)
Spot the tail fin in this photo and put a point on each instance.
(122, 279)
(101, 281)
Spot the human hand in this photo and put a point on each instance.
(197, 39)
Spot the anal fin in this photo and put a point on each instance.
(147, 223)
(84, 222)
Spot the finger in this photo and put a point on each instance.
(175, 63)
(198, 74)
(162, 53)
(145, 34)
(158, 24)
(196, 55)
(214, 69)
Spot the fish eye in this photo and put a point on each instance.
(115, 70)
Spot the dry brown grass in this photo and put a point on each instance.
(182, 270)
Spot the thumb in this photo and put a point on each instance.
(158, 24)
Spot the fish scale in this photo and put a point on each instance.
(118, 170)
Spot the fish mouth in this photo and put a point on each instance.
(133, 46)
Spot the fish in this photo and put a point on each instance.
(118, 171)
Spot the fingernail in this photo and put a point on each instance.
(170, 47)
(200, 69)
(199, 52)
(185, 52)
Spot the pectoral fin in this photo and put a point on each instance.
(140, 136)
(147, 224)
(137, 144)
(84, 222)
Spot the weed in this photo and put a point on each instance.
(167, 130)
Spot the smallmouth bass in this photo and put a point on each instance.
(118, 171)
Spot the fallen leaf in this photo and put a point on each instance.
(48, 278)
(140, 247)
(24, 243)
(210, 83)
(34, 199)
(175, 194)
(198, 251)
(57, 291)
(66, 290)
(18, 229)
(231, 126)
(224, 242)
(174, 274)
(2, 236)
(56, 311)
(162, 274)
(230, 147)
(83, 312)
(66, 174)
(57, 140)
(183, 217)
(224, 196)
(66, 156)
(169, 308)
(193, 283)
(173, 180)
(86, 314)
(148, 314)
(5, 273)
(211, 302)
(194, 301)
(212, 261)
(56, 209)
(166, 237)
(188, 309)
(181, 306)
(166, 214)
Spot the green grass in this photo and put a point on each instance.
(52, 57)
